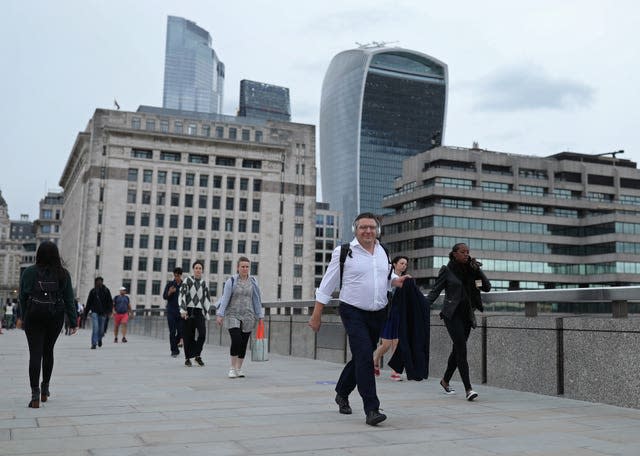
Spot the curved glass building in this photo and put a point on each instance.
(193, 74)
(379, 105)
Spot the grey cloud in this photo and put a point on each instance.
(528, 87)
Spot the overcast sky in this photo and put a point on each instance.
(525, 77)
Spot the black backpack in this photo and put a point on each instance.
(345, 250)
(45, 297)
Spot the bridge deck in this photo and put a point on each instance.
(134, 399)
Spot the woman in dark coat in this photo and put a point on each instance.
(461, 279)
(42, 322)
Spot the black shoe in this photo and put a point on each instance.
(35, 398)
(93, 346)
(175, 355)
(199, 361)
(124, 340)
(374, 417)
(44, 392)
(343, 404)
(100, 343)
(188, 363)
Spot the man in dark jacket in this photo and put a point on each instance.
(100, 305)
(171, 294)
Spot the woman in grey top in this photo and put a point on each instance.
(240, 309)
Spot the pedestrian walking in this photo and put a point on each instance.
(195, 303)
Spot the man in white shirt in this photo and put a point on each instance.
(363, 297)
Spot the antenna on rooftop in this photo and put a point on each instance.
(375, 44)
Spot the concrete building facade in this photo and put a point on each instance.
(150, 190)
(47, 226)
(567, 220)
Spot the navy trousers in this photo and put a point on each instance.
(363, 330)
(175, 331)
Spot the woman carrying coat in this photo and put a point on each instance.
(461, 279)
(240, 309)
(46, 281)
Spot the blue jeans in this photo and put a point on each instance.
(363, 330)
(97, 328)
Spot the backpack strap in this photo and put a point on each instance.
(386, 250)
(345, 249)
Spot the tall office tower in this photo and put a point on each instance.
(193, 74)
(264, 101)
(379, 105)
(564, 221)
(150, 190)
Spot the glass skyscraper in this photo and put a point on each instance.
(264, 101)
(193, 74)
(379, 106)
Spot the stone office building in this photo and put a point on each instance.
(567, 220)
(150, 190)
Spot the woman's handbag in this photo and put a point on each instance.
(260, 345)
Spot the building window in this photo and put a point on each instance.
(175, 199)
(128, 241)
(141, 287)
(143, 242)
(132, 175)
(229, 205)
(215, 202)
(146, 197)
(215, 223)
(175, 177)
(188, 222)
(257, 185)
(173, 221)
(206, 130)
(190, 179)
(162, 177)
(198, 158)
(161, 198)
(151, 124)
(256, 205)
(164, 126)
(177, 127)
(298, 229)
(226, 267)
(231, 183)
(135, 123)
(188, 200)
(299, 210)
(213, 266)
(127, 263)
(170, 156)
(142, 153)
(131, 218)
(233, 133)
(158, 242)
(242, 205)
(200, 242)
(297, 270)
(297, 250)
(255, 226)
(144, 219)
(246, 135)
(173, 242)
(242, 226)
(202, 201)
(202, 222)
(228, 246)
(131, 196)
(253, 164)
(255, 247)
(155, 287)
(297, 292)
(228, 224)
(258, 136)
(159, 220)
(192, 129)
(157, 265)
(171, 264)
(147, 175)
(186, 245)
(242, 246)
(217, 181)
(204, 180)
(225, 161)
(142, 264)
(254, 269)
(186, 264)
(215, 245)
(244, 183)
(219, 132)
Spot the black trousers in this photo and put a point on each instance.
(239, 341)
(363, 330)
(459, 330)
(175, 331)
(192, 345)
(41, 337)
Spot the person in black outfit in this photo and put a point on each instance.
(100, 304)
(171, 294)
(461, 279)
(42, 323)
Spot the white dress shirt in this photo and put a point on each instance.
(364, 280)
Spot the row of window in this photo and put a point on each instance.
(187, 243)
(201, 222)
(191, 129)
(191, 179)
(479, 224)
(156, 265)
(174, 200)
